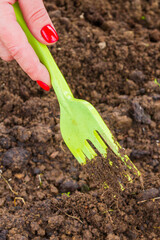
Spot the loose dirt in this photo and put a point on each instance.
(109, 54)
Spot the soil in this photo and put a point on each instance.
(109, 54)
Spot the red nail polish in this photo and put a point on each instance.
(43, 85)
(49, 34)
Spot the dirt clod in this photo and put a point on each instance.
(137, 76)
(69, 186)
(16, 158)
(155, 36)
(139, 114)
(148, 194)
(55, 221)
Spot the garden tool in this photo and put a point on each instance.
(81, 125)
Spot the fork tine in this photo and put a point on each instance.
(79, 155)
(109, 139)
(99, 144)
(88, 151)
(115, 146)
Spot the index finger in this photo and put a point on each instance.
(16, 42)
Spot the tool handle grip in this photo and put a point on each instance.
(58, 82)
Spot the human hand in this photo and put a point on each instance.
(14, 43)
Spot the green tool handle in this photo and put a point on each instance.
(58, 82)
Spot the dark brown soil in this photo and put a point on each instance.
(109, 52)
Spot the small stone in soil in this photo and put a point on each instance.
(102, 45)
(139, 114)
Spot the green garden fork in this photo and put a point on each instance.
(80, 123)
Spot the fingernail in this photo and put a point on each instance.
(43, 85)
(49, 34)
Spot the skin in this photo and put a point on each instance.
(13, 41)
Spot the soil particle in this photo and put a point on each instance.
(94, 17)
(156, 116)
(148, 194)
(66, 22)
(2, 129)
(139, 154)
(131, 235)
(2, 201)
(68, 186)
(18, 237)
(128, 35)
(53, 189)
(5, 142)
(139, 114)
(3, 234)
(87, 235)
(54, 155)
(155, 35)
(109, 25)
(137, 76)
(123, 123)
(22, 133)
(102, 45)
(36, 171)
(16, 158)
(55, 176)
(55, 221)
(55, 14)
(83, 186)
(112, 236)
(34, 227)
(41, 134)
(130, 87)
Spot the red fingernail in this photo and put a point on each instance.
(49, 34)
(43, 85)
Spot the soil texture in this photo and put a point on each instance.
(109, 53)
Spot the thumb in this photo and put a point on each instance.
(38, 21)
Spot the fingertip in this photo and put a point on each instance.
(44, 75)
(38, 21)
(43, 85)
(49, 34)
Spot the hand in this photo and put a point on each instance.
(14, 43)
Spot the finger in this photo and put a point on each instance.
(14, 39)
(4, 53)
(38, 21)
